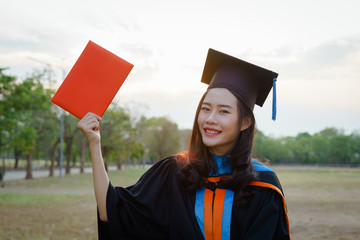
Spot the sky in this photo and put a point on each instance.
(313, 45)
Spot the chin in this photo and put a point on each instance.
(209, 144)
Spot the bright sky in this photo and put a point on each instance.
(313, 45)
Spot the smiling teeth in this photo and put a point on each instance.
(211, 131)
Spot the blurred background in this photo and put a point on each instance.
(313, 45)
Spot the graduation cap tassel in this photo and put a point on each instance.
(274, 100)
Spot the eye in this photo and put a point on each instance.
(223, 111)
(205, 109)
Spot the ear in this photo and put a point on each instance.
(246, 123)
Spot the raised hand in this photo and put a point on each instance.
(90, 125)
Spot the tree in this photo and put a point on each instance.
(303, 148)
(117, 141)
(70, 131)
(267, 147)
(27, 111)
(83, 154)
(7, 110)
(53, 156)
(321, 146)
(355, 149)
(162, 138)
(185, 135)
(47, 146)
(327, 145)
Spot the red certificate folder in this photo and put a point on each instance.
(92, 82)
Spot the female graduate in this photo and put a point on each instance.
(214, 190)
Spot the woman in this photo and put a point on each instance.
(215, 190)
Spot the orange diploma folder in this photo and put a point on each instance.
(92, 82)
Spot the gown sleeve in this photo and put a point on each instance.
(141, 210)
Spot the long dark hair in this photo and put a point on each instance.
(198, 162)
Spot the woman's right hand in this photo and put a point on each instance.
(90, 127)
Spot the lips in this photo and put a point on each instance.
(211, 132)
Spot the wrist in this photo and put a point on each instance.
(95, 144)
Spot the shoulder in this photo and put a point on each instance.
(265, 175)
(164, 165)
(168, 167)
(259, 167)
(158, 176)
(166, 162)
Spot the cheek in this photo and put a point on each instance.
(233, 124)
(200, 119)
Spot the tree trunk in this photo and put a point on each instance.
(17, 157)
(73, 161)
(69, 141)
(29, 164)
(53, 156)
(83, 154)
(119, 164)
(105, 152)
(68, 154)
(30, 156)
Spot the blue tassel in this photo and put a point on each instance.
(274, 100)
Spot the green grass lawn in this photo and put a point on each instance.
(323, 203)
(54, 208)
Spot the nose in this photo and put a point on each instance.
(211, 119)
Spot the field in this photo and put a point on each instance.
(323, 203)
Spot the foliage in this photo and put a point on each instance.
(7, 110)
(26, 111)
(162, 138)
(329, 146)
(30, 125)
(118, 136)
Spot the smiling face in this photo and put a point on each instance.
(218, 120)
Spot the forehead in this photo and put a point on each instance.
(220, 96)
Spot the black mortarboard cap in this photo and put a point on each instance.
(245, 80)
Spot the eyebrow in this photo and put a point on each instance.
(220, 105)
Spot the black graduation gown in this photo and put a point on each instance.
(158, 207)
